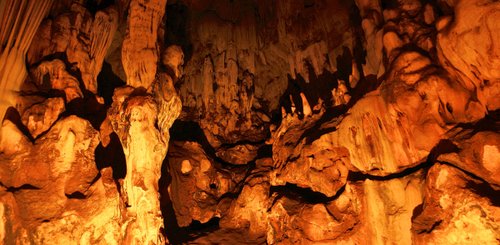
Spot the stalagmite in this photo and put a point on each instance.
(306, 108)
(133, 119)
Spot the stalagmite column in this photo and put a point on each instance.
(133, 119)
(134, 114)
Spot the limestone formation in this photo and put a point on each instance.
(133, 119)
(40, 117)
(463, 215)
(139, 48)
(249, 122)
(197, 185)
(82, 36)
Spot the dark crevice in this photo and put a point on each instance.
(107, 81)
(417, 211)
(192, 132)
(428, 230)
(483, 189)
(333, 115)
(443, 147)
(112, 156)
(304, 195)
(87, 107)
(491, 122)
(318, 87)
(95, 5)
(264, 151)
(75, 195)
(22, 187)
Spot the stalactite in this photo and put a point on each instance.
(19, 22)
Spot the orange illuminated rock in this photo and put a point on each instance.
(59, 78)
(82, 36)
(139, 49)
(197, 184)
(466, 48)
(457, 208)
(40, 117)
(249, 122)
(133, 118)
(478, 154)
(54, 184)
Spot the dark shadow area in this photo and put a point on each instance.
(112, 156)
(265, 151)
(330, 119)
(344, 65)
(190, 131)
(23, 187)
(483, 189)
(491, 122)
(303, 195)
(95, 5)
(87, 108)
(107, 81)
(177, 27)
(13, 115)
(76, 195)
(318, 87)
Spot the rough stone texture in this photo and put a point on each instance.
(368, 211)
(197, 186)
(59, 78)
(479, 155)
(40, 117)
(320, 167)
(240, 66)
(140, 41)
(82, 36)
(456, 209)
(59, 172)
(472, 56)
(239, 154)
(304, 122)
(133, 120)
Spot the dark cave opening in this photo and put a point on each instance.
(112, 156)
(107, 82)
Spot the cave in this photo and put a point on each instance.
(249, 122)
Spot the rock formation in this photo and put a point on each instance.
(249, 122)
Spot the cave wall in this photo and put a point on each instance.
(251, 122)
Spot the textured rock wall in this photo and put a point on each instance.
(256, 122)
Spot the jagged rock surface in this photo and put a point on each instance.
(309, 122)
(83, 37)
(141, 41)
